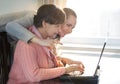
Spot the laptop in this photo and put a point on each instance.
(85, 78)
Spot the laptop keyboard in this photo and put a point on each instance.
(78, 77)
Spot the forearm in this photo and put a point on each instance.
(36, 40)
(65, 60)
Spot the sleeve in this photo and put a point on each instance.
(5, 18)
(30, 67)
(18, 28)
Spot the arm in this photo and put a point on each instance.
(17, 28)
(6, 18)
(69, 61)
(27, 57)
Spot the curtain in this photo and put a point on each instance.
(60, 3)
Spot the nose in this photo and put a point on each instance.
(69, 31)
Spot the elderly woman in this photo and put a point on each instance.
(33, 62)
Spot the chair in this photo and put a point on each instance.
(6, 57)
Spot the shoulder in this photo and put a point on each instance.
(22, 44)
(5, 18)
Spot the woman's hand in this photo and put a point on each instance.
(74, 67)
(78, 63)
(59, 63)
(69, 61)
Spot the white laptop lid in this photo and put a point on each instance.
(91, 66)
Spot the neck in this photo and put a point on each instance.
(43, 33)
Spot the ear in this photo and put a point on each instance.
(44, 24)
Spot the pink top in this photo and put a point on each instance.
(32, 63)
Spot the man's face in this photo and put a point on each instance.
(68, 25)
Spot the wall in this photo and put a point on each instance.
(7, 6)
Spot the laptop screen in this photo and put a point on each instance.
(91, 70)
(98, 67)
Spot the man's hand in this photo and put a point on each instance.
(50, 43)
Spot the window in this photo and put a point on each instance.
(96, 18)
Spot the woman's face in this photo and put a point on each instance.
(52, 30)
(68, 26)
